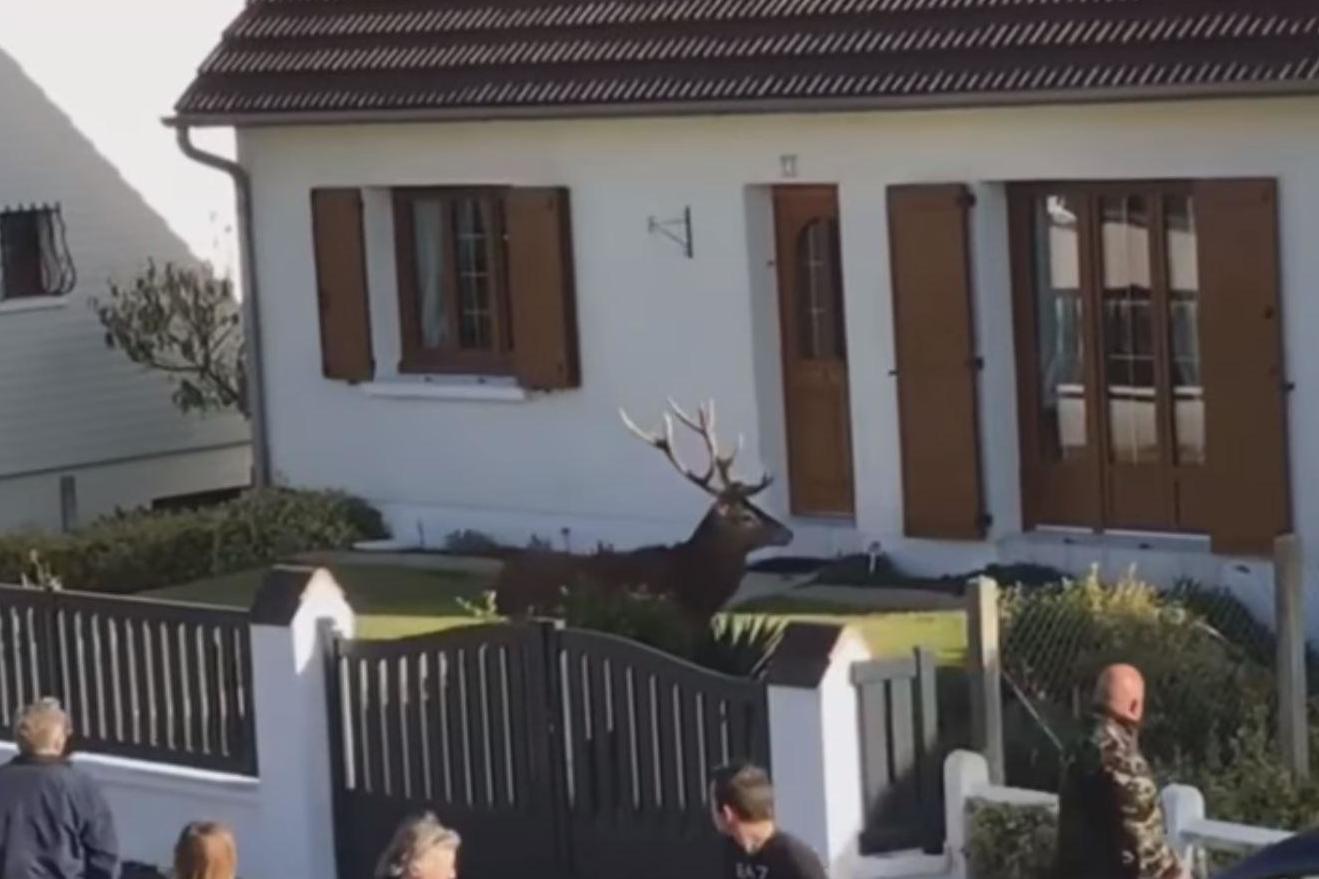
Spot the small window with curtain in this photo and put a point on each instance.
(34, 259)
(453, 281)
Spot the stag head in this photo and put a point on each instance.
(734, 523)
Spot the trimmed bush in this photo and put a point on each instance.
(1211, 711)
(1011, 842)
(141, 550)
(1202, 690)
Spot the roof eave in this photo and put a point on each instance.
(745, 107)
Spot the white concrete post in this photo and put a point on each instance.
(292, 727)
(815, 741)
(1183, 807)
(964, 774)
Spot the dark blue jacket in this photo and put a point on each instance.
(54, 823)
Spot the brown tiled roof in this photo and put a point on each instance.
(292, 59)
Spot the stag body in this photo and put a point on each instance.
(698, 575)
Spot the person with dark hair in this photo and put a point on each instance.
(54, 822)
(742, 803)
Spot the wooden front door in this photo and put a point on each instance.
(815, 383)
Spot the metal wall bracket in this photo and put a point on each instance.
(683, 226)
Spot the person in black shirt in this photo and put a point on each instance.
(742, 802)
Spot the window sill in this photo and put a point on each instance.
(460, 388)
(32, 303)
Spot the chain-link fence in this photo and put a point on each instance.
(1208, 662)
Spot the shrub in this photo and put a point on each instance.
(1246, 782)
(140, 550)
(1201, 689)
(736, 646)
(470, 542)
(637, 615)
(1011, 842)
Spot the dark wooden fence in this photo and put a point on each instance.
(900, 753)
(145, 679)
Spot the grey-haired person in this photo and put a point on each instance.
(54, 821)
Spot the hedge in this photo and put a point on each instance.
(141, 550)
(1011, 842)
(1212, 706)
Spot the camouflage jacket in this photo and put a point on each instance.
(1110, 822)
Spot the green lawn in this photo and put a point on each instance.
(887, 633)
(393, 602)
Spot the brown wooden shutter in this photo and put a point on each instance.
(341, 288)
(540, 281)
(1241, 351)
(936, 361)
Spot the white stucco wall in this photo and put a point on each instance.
(68, 405)
(655, 324)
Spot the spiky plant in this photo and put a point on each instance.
(739, 645)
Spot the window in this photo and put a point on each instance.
(820, 300)
(34, 260)
(1112, 372)
(475, 267)
(453, 281)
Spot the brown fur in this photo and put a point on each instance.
(699, 575)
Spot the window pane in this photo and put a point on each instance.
(1184, 327)
(474, 315)
(428, 243)
(20, 244)
(1128, 330)
(1060, 319)
(820, 293)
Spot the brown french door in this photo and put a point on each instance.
(819, 428)
(1112, 400)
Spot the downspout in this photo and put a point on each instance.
(256, 397)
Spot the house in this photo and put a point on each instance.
(83, 431)
(980, 280)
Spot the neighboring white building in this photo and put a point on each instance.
(82, 430)
(903, 226)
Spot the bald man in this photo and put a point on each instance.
(1110, 824)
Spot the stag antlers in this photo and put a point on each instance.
(720, 465)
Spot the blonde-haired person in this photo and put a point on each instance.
(206, 850)
(422, 848)
(54, 822)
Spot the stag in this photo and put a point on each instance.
(698, 575)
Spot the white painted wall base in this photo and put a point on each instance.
(151, 803)
(34, 501)
(427, 527)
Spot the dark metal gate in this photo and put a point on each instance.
(554, 752)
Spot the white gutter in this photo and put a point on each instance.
(256, 397)
(956, 101)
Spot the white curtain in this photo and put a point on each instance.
(428, 232)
